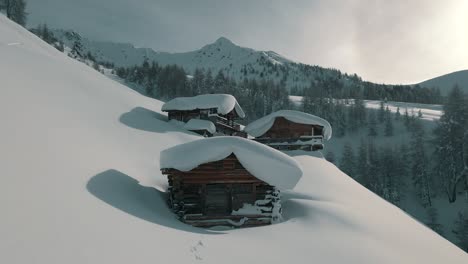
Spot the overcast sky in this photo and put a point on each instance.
(397, 41)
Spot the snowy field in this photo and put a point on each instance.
(431, 112)
(80, 183)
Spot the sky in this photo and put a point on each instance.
(397, 42)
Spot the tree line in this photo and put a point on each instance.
(15, 10)
(434, 163)
(257, 98)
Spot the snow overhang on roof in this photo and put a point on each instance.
(263, 162)
(224, 103)
(262, 125)
(199, 124)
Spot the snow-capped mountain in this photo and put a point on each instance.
(448, 81)
(80, 183)
(235, 61)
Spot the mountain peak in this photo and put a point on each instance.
(223, 41)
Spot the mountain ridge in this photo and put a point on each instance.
(447, 81)
(234, 61)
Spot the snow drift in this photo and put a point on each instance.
(80, 183)
(262, 125)
(200, 124)
(265, 163)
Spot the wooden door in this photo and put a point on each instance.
(217, 200)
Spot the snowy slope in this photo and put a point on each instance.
(447, 81)
(235, 61)
(430, 112)
(222, 54)
(80, 183)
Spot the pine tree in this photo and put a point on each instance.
(375, 170)
(209, 82)
(388, 124)
(372, 128)
(348, 161)
(420, 165)
(451, 140)
(340, 122)
(77, 49)
(433, 220)
(461, 230)
(381, 114)
(397, 114)
(362, 164)
(403, 160)
(198, 82)
(15, 10)
(330, 156)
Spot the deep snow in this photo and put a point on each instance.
(262, 125)
(80, 183)
(224, 103)
(430, 112)
(265, 163)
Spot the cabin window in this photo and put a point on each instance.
(318, 131)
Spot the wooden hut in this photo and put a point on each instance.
(290, 130)
(220, 109)
(215, 182)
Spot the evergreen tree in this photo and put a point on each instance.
(340, 122)
(375, 170)
(407, 119)
(390, 177)
(388, 125)
(403, 160)
(419, 166)
(451, 140)
(198, 82)
(209, 82)
(77, 49)
(433, 220)
(372, 126)
(461, 230)
(381, 114)
(330, 156)
(362, 164)
(397, 114)
(348, 161)
(15, 10)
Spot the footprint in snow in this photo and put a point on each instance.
(196, 250)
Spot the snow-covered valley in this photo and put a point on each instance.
(81, 183)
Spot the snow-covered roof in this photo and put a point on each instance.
(262, 125)
(265, 163)
(225, 103)
(199, 124)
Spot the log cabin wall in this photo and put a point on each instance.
(215, 193)
(224, 124)
(283, 128)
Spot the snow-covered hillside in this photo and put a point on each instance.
(222, 55)
(430, 112)
(447, 81)
(80, 183)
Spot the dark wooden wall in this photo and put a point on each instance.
(283, 128)
(213, 190)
